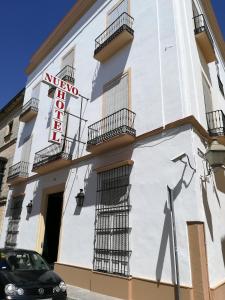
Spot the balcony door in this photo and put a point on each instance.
(117, 11)
(116, 97)
(68, 59)
(26, 149)
(207, 95)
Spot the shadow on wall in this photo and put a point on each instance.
(103, 71)
(167, 233)
(208, 214)
(223, 248)
(220, 179)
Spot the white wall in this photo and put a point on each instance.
(165, 86)
(211, 200)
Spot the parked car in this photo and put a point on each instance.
(25, 275)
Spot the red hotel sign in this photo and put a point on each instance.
(62, 88)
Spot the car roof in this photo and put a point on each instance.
(16, 250)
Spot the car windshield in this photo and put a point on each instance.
(22, 261)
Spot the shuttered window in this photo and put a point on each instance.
(117, 11)
(26, 149)
(207, 95)
(68, 59)
(116, 95)
(36, 91)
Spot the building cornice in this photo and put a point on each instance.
(209, 11)
(74, 15)
(16, 101)
(13, 141)
(190, 120)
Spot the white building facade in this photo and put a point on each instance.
(150, 101)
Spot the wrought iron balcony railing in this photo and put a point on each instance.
(220, 85)
(66, 74)
(53, 152)
(32, 104)
(216, 122)
(18, 170)
(123, 22)
(113, 125)
(201, 26)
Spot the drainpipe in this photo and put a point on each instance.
(171, 199)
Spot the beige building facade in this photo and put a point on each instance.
(9, 125)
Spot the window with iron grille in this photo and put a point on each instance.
(13, 223)
(112, 251)
(3, 162)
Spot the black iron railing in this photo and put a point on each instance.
(67, 74)
(53, 152)
(18, 170)
(220, 85)
(112, 229)
(113, 125)
(216, 122)
(31, 104)
(201, 26)
(123, 22)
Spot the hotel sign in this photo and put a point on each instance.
(62, 89)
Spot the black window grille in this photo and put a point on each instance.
(112, 251)
(3, 162)
(13, 223)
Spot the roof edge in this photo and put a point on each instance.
(209, 10)
(18, 97)
(74, 15)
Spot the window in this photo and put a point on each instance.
(207, 94)
(13, 223)
(8, 132)
(116, 94)
(117, 11)
(220, 85)
(36, 91)
(26, 149)
(68, 59)
(111, 252)
(3, 162)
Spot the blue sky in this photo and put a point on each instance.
(24, 25)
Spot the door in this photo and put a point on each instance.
(52, 227)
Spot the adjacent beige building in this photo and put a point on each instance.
(9, 124)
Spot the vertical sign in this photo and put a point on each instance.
(62, 89)
(56, 128)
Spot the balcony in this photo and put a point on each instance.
(216, 123)
(204, 39)
(66, 74)
(18, 172)
(53, 157)
(29, 110)
(115, 37)
(116, 130)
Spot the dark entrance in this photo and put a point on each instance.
(52, 227)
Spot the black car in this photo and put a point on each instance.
(25, 275)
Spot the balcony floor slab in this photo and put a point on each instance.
(51, 166)
(115, 142)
